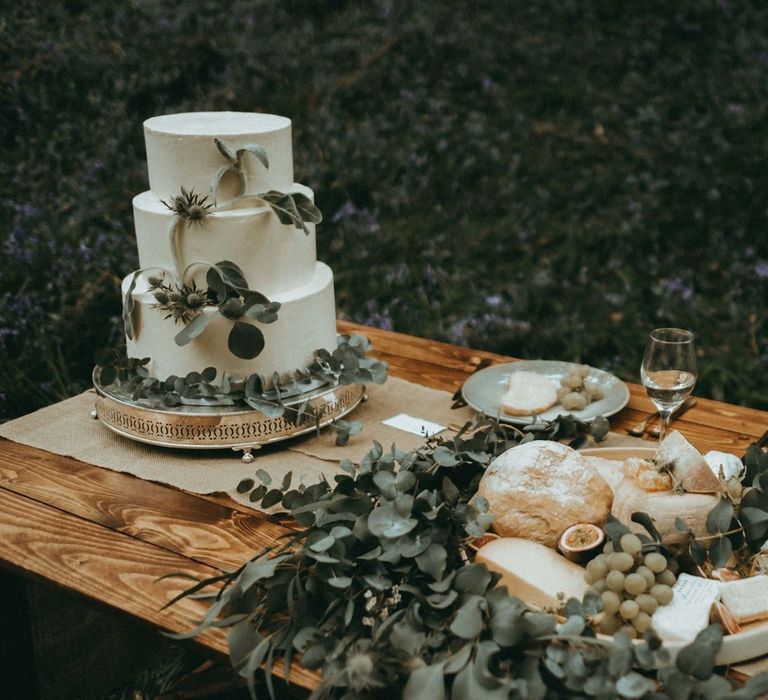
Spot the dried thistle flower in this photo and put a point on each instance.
(180, 303)
(189, 206)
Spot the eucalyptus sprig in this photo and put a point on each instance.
(294, 208)
(738, 524)
(374, 592)
(234, 164)
(189, 209)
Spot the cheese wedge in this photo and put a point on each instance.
(686, 464)
(528, 393)
(747, 599)
(533, 572)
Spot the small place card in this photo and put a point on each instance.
(411, 424)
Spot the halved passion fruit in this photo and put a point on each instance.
(581, 542)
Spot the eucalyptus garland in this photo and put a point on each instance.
(348, 363)
(377, 592)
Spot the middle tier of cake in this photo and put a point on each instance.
(273, 257)
(306, 322)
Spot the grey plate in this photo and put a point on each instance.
(484, 389)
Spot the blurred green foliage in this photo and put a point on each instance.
(549, 179)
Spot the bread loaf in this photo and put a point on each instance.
(528, 393)
(539, 488)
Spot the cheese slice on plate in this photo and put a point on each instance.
(533, 572)
(528, 393)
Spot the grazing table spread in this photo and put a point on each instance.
(109, 536)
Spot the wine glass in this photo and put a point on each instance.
(668, 371)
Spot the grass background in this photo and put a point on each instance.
(549, 179)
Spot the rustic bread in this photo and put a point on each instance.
(528, 393)
(539, 488)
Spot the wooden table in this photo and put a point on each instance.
(109, 536)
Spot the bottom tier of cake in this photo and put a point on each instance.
(306, 322)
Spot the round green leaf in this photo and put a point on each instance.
(245, 341)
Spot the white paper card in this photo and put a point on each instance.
(411, 424)
(688, 613)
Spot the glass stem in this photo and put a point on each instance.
(665, 416)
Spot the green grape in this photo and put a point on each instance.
(631, 544)
(628, 609)
(630, 631)
(634, 584)
(562, 392)
(608, 548)
(571, 381)
(611, 602)
(662, 593)
(582, 371)
(615, 581)
(621, 561)
(572, 401)
(666, 577)
(647, 574)
(594, 391)
(598, 568)
(581, 402)
(656, 562)
(641, 621)
(610, 624)
(599, 586)
(647, 603)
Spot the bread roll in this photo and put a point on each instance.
(528, 393)
(539, 488)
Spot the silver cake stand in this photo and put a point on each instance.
(222, 427)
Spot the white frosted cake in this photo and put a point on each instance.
(229, 276)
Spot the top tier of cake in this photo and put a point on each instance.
(181, 151)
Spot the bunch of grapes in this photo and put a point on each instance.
(575, 391)
(631, 584)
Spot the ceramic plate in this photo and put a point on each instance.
(484, 389)
(752, 640)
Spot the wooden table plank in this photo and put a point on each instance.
(179, 521)
(110, 567)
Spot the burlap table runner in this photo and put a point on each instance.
(66, 428)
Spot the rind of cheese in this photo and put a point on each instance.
(688, 467)
(528, 393)
(688, 612)
(537, 489)
(532, 572)
(747, 599)
(663, 507)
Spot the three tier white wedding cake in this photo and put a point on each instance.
(229, 276)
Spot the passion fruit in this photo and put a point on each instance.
(581, 542)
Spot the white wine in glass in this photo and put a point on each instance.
(668, 371)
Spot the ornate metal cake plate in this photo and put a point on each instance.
(218, 427)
